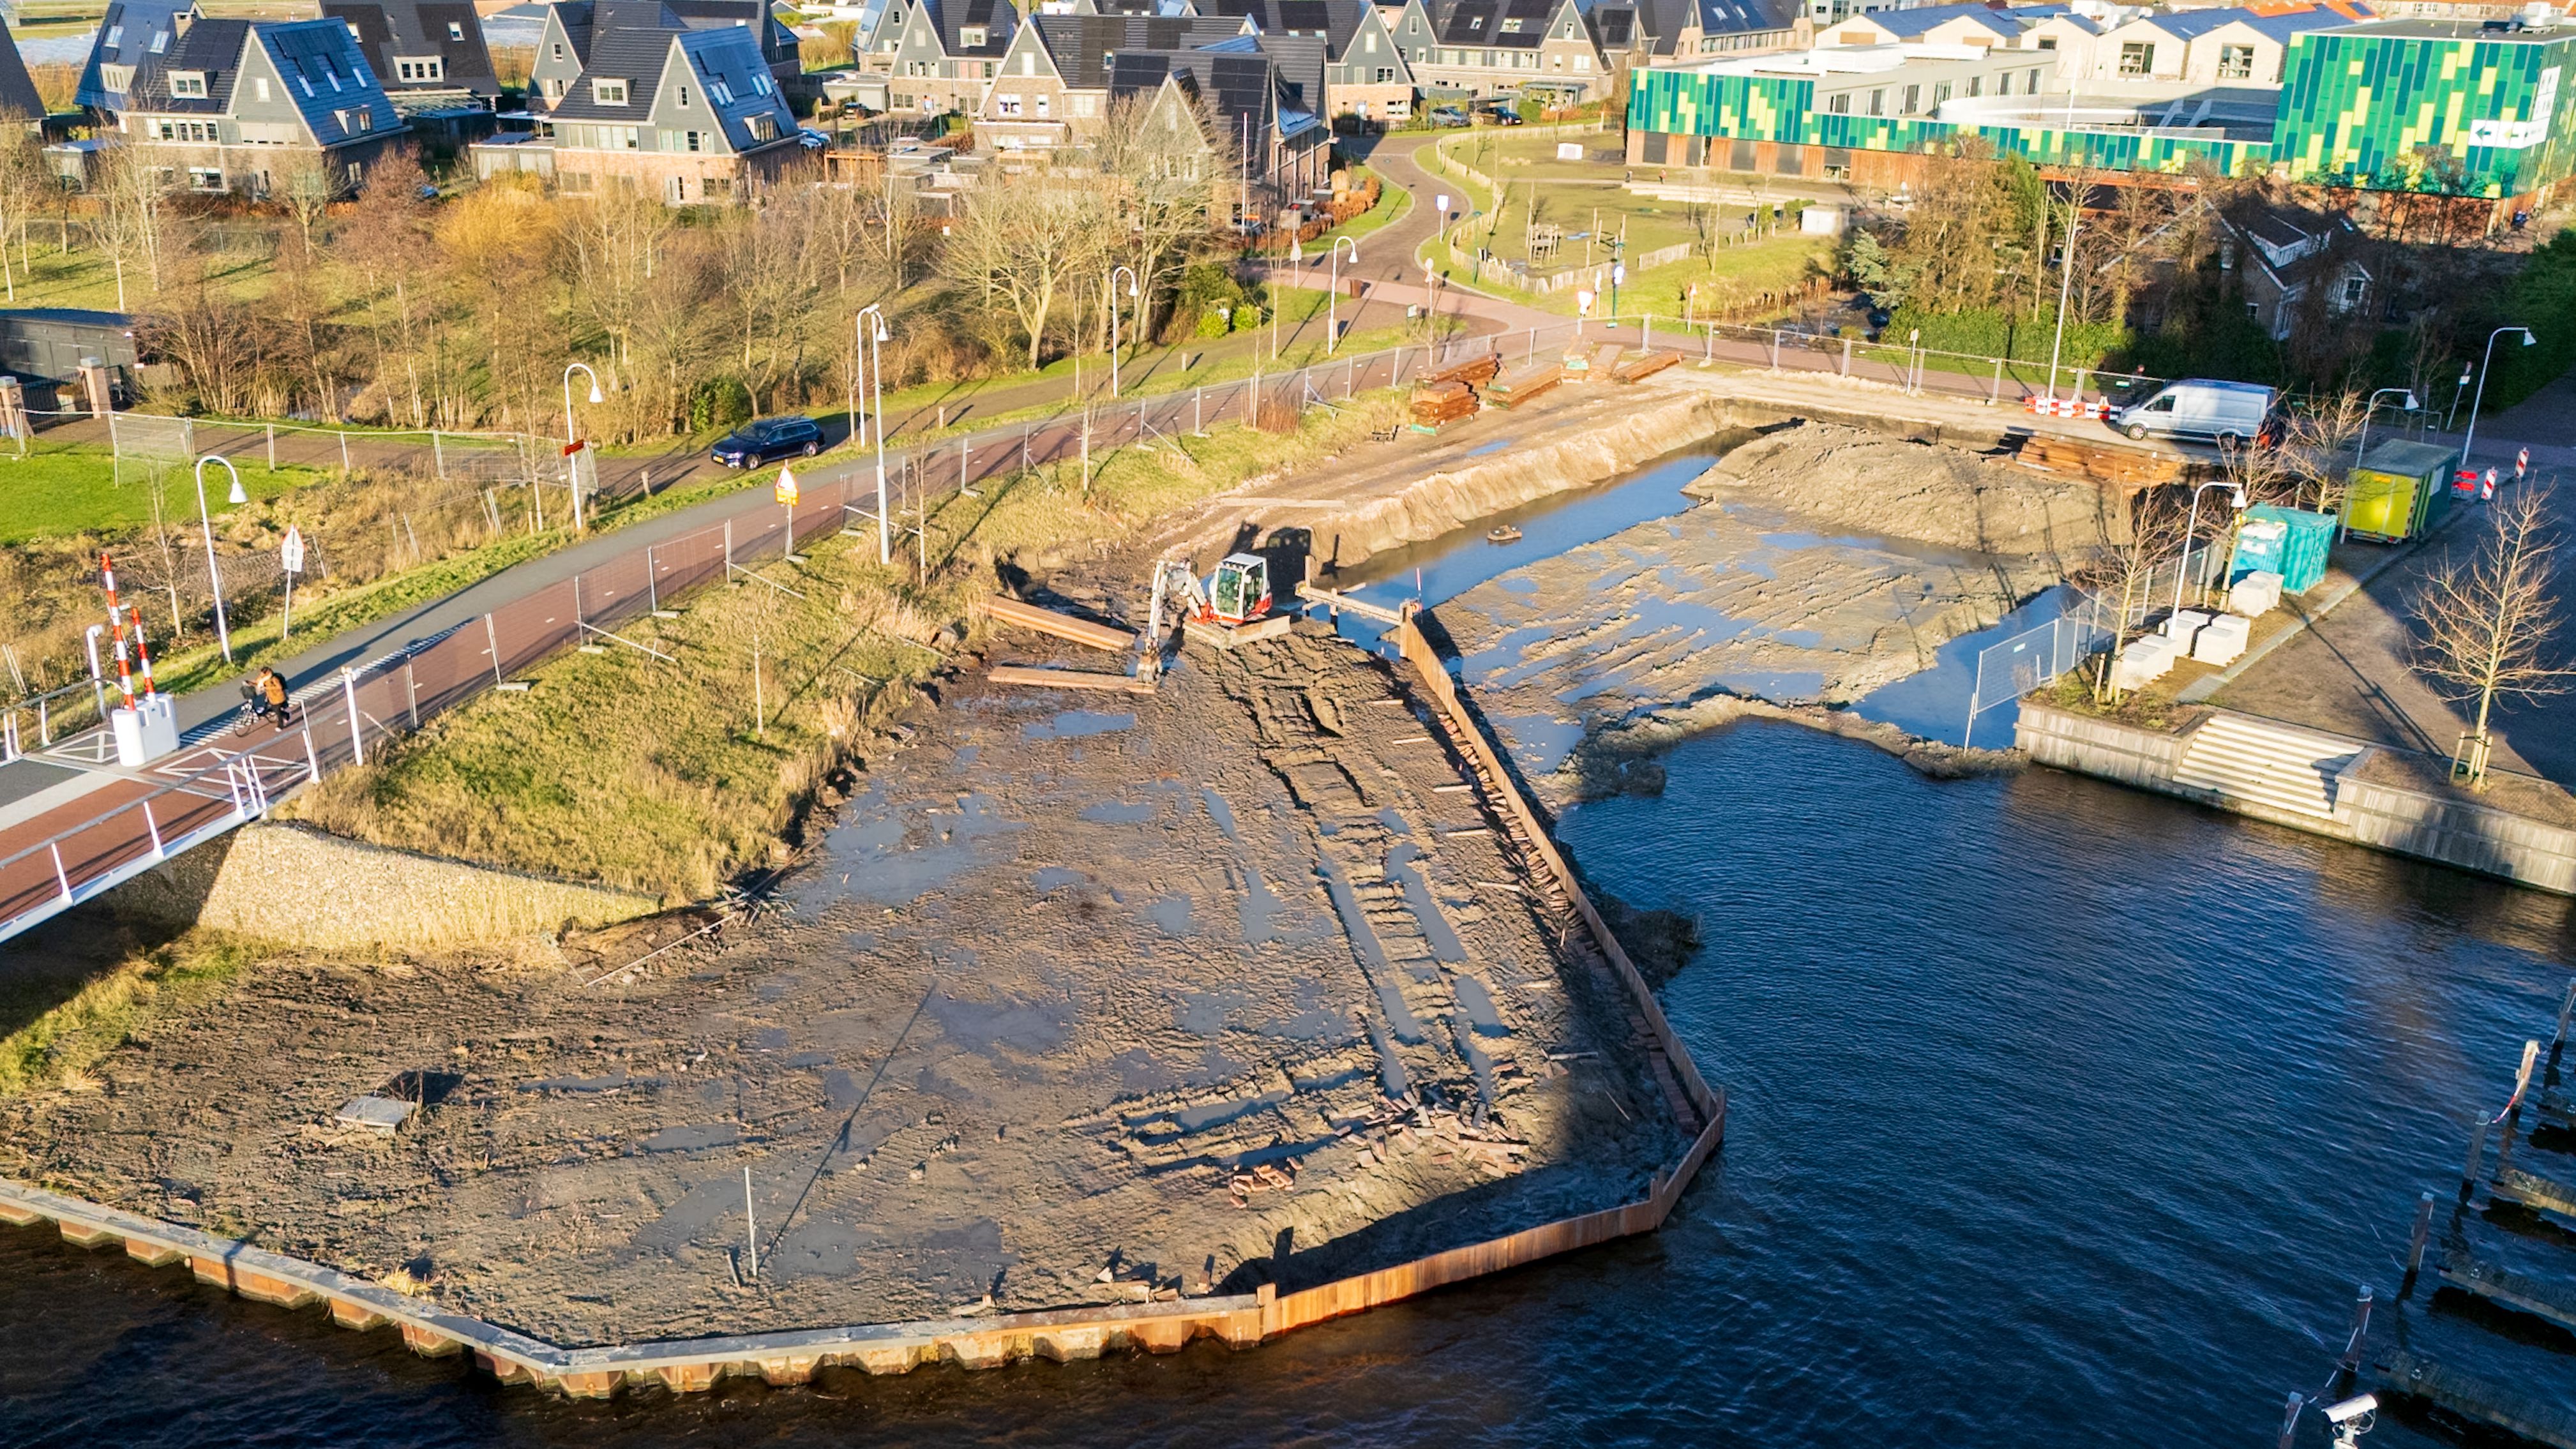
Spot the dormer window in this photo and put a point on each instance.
(455, 30)
(972, 37)
(1512, 27)
(608, 92)
(188, 84)
(160, 41)
(421, 68)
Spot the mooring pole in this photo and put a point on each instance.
(2360, 1329)
(2290, 1419)
(2415, 1244)
(2504, 1143)
(2477, 1154)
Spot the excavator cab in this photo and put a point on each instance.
(1239, 591)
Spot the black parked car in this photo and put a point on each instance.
(755, 443)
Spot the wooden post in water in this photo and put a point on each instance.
(2290, 1418)
(2504, 1144)
(2558, 1039)
(2360, 1331)
(2415, 1243)
(2477, 1155)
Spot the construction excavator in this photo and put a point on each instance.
(1231, 606)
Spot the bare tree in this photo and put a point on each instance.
(1162, 182)
(1023, 241)
(133, 216)
(25, 186)
(2158, 523)
(2319, 437)
(2489, 629)
(302, 184)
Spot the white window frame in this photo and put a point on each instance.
(605, 91)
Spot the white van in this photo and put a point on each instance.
(2198, 407)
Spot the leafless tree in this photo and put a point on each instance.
(2128, 570)
(2489, 629)
(302, 184)
(1162, 185)
(25, 186)
(1024, 241)
(133, 217)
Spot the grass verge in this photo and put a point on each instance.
(59, 1029)
(66, 489)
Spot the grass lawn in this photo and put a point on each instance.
(54, 492)
(1392, 204)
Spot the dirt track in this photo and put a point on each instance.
(1079, 1001)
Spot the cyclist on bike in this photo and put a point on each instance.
(273, 697)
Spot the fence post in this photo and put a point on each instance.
(1648, 344)
(357, 735)
(437, 456)
(652, 586)
(272, 447)
(492, 639)
(1775, 350)
(1995, 394)
(1846, 357)
(411, 692)
(345, 469)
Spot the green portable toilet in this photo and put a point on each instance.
(2399, 491)
(2290, 542)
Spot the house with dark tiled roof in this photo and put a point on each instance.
(17, 89)
(692, 113)
(428, 54)
(1364, 73)
(939, 56)
(132, 33)
(223, 103)
(563, 46)
(1284, 152)
(1052, 86)
(2292, 259)
(1677, 29)
(1504, 47)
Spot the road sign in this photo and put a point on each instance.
(1619, 274)
(575, 446)
(290, 554)
(1583, 304)
(1442, 202)
(787, 490)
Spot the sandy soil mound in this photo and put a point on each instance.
(1871, 483)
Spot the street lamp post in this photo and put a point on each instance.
(2065, 285)
(2183, 569)
(2484, 365)
(571, 437)
(1333, 299)
(1113, 324)
(2361, 449)
(215, 580)
(871, 340)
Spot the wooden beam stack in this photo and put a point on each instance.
(1438, 404)
(1474, 371)
(2126, 468)
(1516, 388)
(1643, 366)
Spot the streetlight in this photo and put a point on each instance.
(2183, 569)
(2484, 364)
(572, 439)
(215, 580)
(2361, 449)
(1333, 299)
(869, 342)
(2065, 284)
(1113, 323)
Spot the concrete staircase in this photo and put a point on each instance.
(2259, 762)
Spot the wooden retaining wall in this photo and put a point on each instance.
(696, 1365)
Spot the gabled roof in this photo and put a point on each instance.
(17, 90)
(131, 33)
(389, 31)
(1300, 62)
(1333, 20)
(1082, 46)
(777, 41)
(1240, 85)
(1490, 22)
(326, 79)
(1915, 24)
(583, 19)
(634, 55)
(2186, 24)
(952, 18)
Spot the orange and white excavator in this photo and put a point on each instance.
(1231, 606)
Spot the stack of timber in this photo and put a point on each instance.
(1474, 371)
(2104, 463)
(1438, 404)
(1523, 383)
(1643, 366)
(1004, 609)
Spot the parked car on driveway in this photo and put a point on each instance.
(753, 444)
(1448, 116)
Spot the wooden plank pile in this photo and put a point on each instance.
(2103, 463)
(1438, 404)
(1474, 371)
(1638, 368)
(1518, 386)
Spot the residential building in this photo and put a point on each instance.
(1503, 47)
(230, 105)
(1973, 24)
(2227, 46)
(1365, 75)
(1053, 85)
(1283, 153)
(1673, 29)
(2290, 258)
(132, 33)
(428, 54)
(563, 47)
(938, 56)
(693, 113)
(17, 89)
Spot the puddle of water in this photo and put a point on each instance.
(1171, 914)
(1445, 945)
(1933, 702)
(1496, 446)
(1261, 907)
(1478, 1002)
(1111, 812)
(692, 1139)
(1056, 878)
(1219, 811)
(1073, 724)
(890, 854)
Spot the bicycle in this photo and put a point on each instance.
(254, 708)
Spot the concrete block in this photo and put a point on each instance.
(1072, 1342)
(687, 1378)
(1163, 1335)
(261, 1288)
(786, 1372)
(599, 1384)
(83, 1235)
(19, 1217)
(349, 1313)
(429, 1342)
(152, 1255)
(892, 1358)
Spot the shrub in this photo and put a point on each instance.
(1213, 322)
(719, 402)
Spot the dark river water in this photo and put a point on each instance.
(2061, 1114)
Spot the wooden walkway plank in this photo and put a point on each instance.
(2477, 1399)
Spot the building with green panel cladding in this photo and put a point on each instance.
(2410, 105)
(2373, 106)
